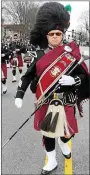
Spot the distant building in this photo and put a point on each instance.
(12, 31)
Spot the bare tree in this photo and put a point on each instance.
(84, 20)
(21, 12)
(83, 26)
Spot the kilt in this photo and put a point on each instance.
(14, 62)
(4, 70)
(20, 61)
(70, 116)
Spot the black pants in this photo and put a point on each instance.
(50, 142)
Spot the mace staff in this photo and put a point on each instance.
(84, 57)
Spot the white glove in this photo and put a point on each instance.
(66, 80)
(9, 56)
(17, 50)
(2, 54)
(14, 51)
(18, 102)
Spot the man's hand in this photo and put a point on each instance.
(18, 102)
(66, 80)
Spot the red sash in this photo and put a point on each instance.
(50, 68)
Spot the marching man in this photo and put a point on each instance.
(5, 55)
(50, 68)
(17, 60)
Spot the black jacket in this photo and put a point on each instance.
(30, 78)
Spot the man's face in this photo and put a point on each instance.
(54, 37)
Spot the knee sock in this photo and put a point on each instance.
(20, 71)
(27, 65)
(14, 72)
(65, 140)
(4, 81)
(49, 143)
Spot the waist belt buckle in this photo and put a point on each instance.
(60, 95)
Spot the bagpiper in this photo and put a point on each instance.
(55, 60)
(6, 54)
(17, 60)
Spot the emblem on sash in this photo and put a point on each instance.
(55, 71)
(70, 57)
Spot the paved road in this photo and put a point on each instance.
(24, 153)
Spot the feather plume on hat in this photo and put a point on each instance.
(50, 16)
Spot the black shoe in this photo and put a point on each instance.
(4, 92)
(13, 81)
(67, 156)
(44, 172)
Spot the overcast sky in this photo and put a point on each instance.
(77, 8)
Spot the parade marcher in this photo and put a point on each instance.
(5, 55)
(45, 72)
(28, 56)
(17, 60)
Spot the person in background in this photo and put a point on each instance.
(5, 55)
(17, 60)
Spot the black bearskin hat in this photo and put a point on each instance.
(50, 16)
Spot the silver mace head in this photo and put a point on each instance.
(84, 56)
